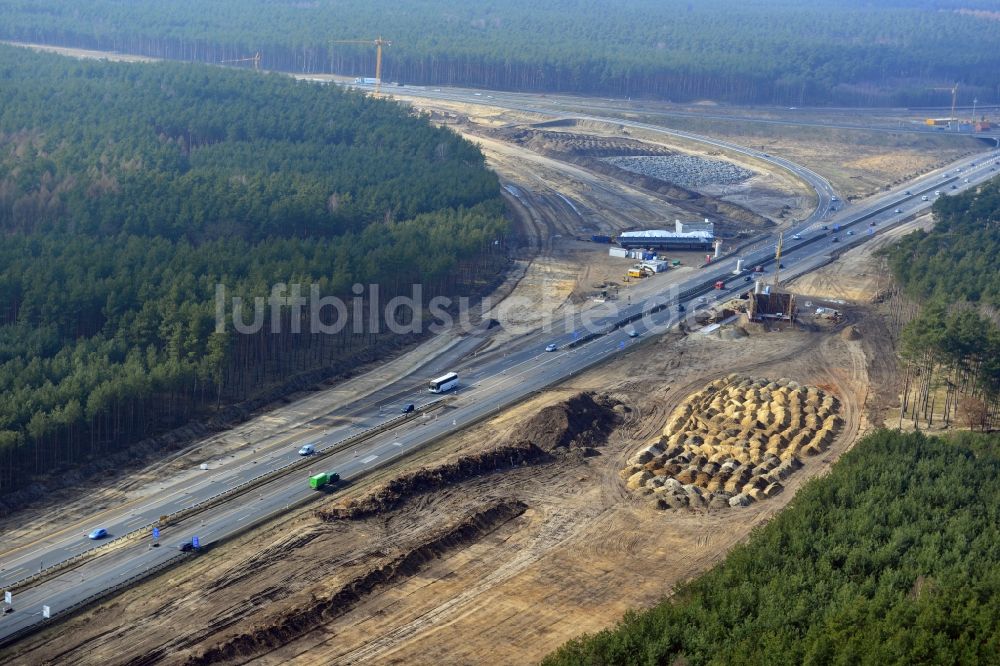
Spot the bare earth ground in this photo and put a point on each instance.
(558, 202)
(766, 193)
(582, 552)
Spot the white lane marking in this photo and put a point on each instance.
(371, 458)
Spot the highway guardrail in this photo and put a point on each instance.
(207, 503)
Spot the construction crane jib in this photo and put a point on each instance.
(255, 59)
(378, 43)
(777, 259)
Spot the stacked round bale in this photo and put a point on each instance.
(733, 442)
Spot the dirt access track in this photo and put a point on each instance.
(536, 545)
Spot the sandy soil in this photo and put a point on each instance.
(557, 203)
(582, 551)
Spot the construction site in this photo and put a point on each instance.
(503, 541)
(597, 495)
(954, 123)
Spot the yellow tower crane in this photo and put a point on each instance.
(777, 259)
(378, 43)
(954, 98)
(255, 59)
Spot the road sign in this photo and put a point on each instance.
(156, 532)
(195, 542)
(46, 612)
(8, 598)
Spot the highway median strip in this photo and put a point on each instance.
(172, 518)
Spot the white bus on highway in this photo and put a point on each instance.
(445, 383)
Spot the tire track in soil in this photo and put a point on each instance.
(558, 529)
(296, 623)
(601, 524)
(561, 530)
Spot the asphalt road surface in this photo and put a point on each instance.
(488, 383)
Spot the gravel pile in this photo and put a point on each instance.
(684, 170)
(734, 442)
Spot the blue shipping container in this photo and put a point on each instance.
(597, 238)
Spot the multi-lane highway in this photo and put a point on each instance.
(488, 383)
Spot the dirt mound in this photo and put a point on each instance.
(732, 333)
(851, 333)
(733, 442)
(584, 420)
(428, 479)
(586, 151)
(297, 621)
(569, 143)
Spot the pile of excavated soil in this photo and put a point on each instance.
(296, 621)
(851, 333)
(732, 333)
(734, 442)
(582, 421)
(586, 145)
(397, 491)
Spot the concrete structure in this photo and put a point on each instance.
(768, 306)
(690, 227)
(685, 236)
(660, 239)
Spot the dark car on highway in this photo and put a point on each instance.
(408, 408)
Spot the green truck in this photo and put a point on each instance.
(317, 481)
